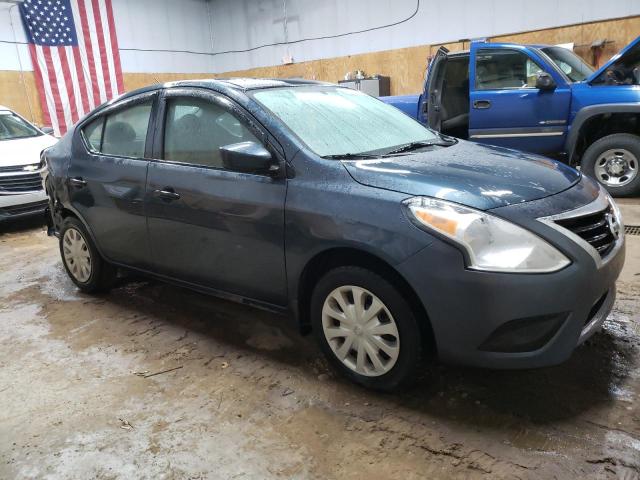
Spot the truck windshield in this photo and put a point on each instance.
(12, 127)
(336, 121)
(567, 61)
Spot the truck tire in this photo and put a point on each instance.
(614, 161)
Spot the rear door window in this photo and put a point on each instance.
(93, 134)
(125, 131)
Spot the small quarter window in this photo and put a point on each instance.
(93, 134)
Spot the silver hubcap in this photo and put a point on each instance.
(76, 255)
(360, 330)
(616, 167)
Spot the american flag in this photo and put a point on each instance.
(75, 56)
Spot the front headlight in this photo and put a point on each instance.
(492, 244)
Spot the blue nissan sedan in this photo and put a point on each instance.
(390, 242)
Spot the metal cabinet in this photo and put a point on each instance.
(375, 86)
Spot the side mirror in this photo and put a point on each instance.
(47, 130)
(544, 81)
(247, 157)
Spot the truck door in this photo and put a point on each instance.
(430, 103)
(507, 107)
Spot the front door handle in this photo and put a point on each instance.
(481, 104)
(167, 193)
(78, 182)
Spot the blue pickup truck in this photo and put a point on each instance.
(542, 99)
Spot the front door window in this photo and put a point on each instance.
(498, 69)
(195, 130)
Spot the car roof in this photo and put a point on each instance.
(2, 107)
(242, 84)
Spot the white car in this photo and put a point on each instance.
(21, 192)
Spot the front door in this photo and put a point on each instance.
(507, 109)
(209, 225)
(107, 178)
(432, 104)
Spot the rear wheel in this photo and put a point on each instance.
(366, 328)
(84, 265)
(614, 161)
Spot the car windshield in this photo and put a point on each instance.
(571, 64)
(12, 127)
(336, 121)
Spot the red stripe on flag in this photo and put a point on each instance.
(103, 48)
(40, 84)
(84, 92)
(89, 49)
(71, 93)
(114, 46)
(53, 80)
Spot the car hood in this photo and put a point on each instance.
(617, 58)
(479, 176)
(24, 151)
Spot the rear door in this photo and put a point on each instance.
(507, 109)
(433, 91)
(107, 177)
(208, 225)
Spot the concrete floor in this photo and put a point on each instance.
(248, 398)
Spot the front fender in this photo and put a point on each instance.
(586, 113)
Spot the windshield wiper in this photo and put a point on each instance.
(416, 145)
(350, 156)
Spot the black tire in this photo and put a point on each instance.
(410, 341)
(626, 141)
(102, 274)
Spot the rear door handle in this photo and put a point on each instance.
(167, 193)
(481, 104)
(78, 182)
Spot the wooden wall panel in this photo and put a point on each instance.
(405, 66)
(18, 92)
(133, 81)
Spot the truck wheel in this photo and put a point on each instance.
(84, 265)
(366, 328)
(614, 161)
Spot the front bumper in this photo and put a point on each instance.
(13, 207)
(502, 320)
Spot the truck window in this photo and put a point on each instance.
(504, 68)
(572, 65)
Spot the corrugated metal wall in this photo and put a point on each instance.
(167, 35)
(241, 24)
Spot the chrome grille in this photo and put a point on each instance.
(20, 183)
(25, 209)
(594, 229)
(18, 168)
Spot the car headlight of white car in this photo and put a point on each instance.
(492, 244)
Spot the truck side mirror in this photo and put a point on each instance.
(545, 82)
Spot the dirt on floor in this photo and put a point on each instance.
(154, 381)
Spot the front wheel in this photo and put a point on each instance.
(614, 161)
(366, 328)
